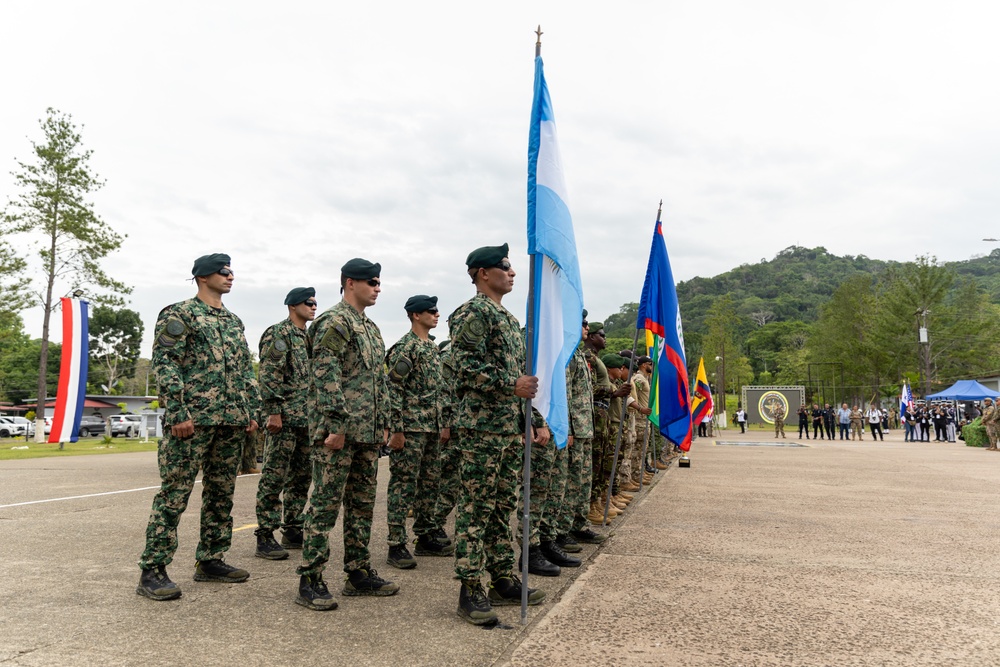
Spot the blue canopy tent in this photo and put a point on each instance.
(964, 390)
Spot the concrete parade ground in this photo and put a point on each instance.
(763, 552)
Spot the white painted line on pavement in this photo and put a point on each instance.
(95, 495)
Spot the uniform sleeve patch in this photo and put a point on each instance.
(175, 327)
(335, 339)
(472, 333)
(280, 345)
(400, 370)
(166, 341)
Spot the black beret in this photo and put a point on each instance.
(614, 361)
(443, 344)
(584, 313)
(206, 265)
(361, 269)
(626, 353)
(596, 326)
(486, 257)
(644, 360)
(298, 295)
(420, 303)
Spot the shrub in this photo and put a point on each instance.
(975, 434)
(30, 415)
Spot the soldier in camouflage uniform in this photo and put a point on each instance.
(489, 360)
(779, 420)
(284, 388)
(989, 420)
(209, 394)
(593, 345)
(348, 420)
(572, 515)
(617, 417)
(641, 406)
(419, 428)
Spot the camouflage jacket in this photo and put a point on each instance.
(348, 392)
(641, 385)
(447, 386)
(416, 389)
(615, 407)
(203, 366)
(488, 358)
(580, 396)
(284, 373)
(600, 379)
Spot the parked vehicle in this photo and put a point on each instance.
(28, 424)
(127, 425)
(10, 428)
(90, 425)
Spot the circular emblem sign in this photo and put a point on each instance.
(769, 401)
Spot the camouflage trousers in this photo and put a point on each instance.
(626, 454)
(344, 476)
(991, 435)
(610, 460)
(576, 501)
(449, 485)
(413, 483)
(550, 527)
(779, 426)
(284, 481)
(490, 473)
(542, 463)
(216, 451)
(599, 453)
(638, 464)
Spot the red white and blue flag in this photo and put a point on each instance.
(905, 400)
(72, 372)
(660, 314)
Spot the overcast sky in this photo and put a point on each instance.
(296, 136)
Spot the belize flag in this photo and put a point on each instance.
(557, 304)
(72, 372)
(660, 314)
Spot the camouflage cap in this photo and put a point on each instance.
(420, 303)
(614, 361)
(298, 295)
(206, 265)
(361, 269)
(487, 256)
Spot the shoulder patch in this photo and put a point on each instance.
(175, 327)
(336, 338)
(280, 345)
(472, 333)
(400, 370)
(447, 372)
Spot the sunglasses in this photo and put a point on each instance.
(310, 303)
(432, 311)
(503, 266)
(225, 273)
(374, 282)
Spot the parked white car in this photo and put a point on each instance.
(9, 428)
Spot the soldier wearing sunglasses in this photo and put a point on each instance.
(284, 387)
(419, 427)
(209, 393)
(348, 420)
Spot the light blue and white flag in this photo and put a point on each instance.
(557, 301)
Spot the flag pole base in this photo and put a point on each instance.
(684, 462)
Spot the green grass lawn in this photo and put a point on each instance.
(14, 448)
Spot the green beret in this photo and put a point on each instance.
(206, 265)
(420, 303)
(361, 269)
(298, 295)
(596, 326)
(486, 257)
(614, 361)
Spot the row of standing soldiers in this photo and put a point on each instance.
(330, 397)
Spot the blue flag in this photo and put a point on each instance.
(557, 303)
(660, 314)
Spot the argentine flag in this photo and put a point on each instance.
(557, 302)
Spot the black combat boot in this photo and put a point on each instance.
(367, 582)
(568, 544)
(538, 564)
(507, 591)
(217, 570)
(429, 545)
(267, 547)
(587, 536)
(400, 557)
(156, 585)
(554, 554)
(314, 594)
(441, 536)
(291, 537)
(474, 606)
